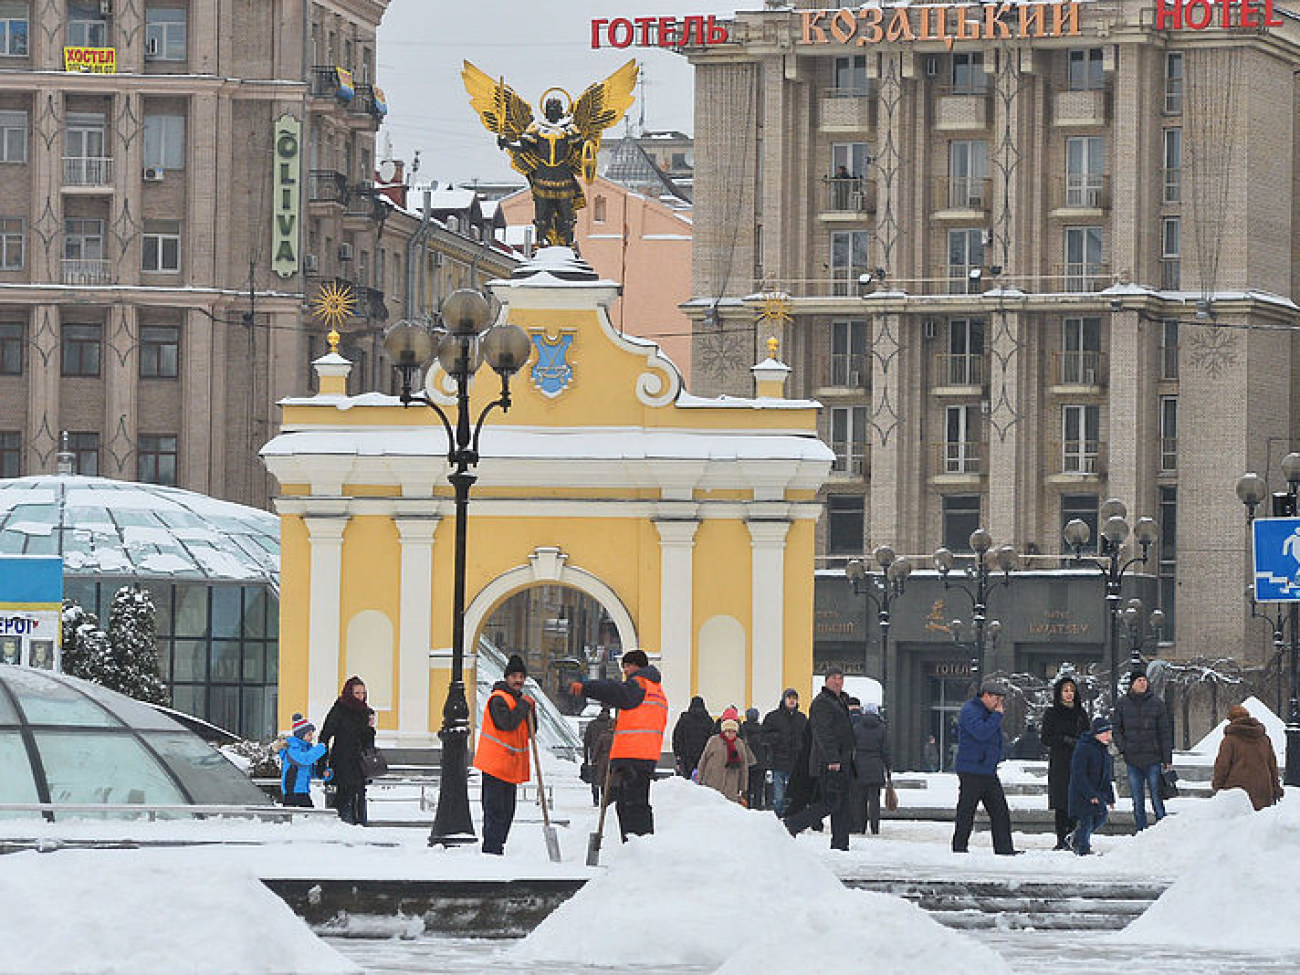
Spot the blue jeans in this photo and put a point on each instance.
(779, 781)
(1087, 826)
(1141, 781)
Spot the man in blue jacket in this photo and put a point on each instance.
(979, 750)
(1091, 792)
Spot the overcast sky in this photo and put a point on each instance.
(534, 45)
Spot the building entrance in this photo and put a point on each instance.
(948, 689)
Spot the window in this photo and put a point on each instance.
(849, 353)
(1168, 545)
(12, 343)
(13, 30)
(85, 154)
(968, 170)
(961, 516)
(848, 259)
(164, 34)
(845, 524)
(1170, 244)
(965, 254)
(11, 453)
(84, 448)
(849, 162)
(157, 457)
(965, 352)
(1084, 508)
(1085, 69)
(12, 238)
(1080, 351)
(164, 141)
(598, 209)
(1080, 439)
(1169, 349)
(161, 246)
(1168, 434)
(86, 26)
(13, 136)
(968, 73)
(83, 240)
(159, 351)
(849, 438)
(850, 76)
(79, 353)
(1085, 164)
(855, 157)
(1173, 181)
(1174, 83)
(1083, 265)
(961, 440)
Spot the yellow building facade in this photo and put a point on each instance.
(691, 521)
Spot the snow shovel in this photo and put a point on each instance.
(548, 831)
(593, 841)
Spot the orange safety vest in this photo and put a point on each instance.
(502, 754)
(639, 731)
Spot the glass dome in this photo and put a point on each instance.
(67, 741)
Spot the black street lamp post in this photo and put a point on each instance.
(982, 575)
(461, 347)
(1252, 490)
(1112, 565)
(880, 590)
(992, 630)
(1137, 630)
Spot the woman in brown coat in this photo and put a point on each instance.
(1246, 760)
(725, 763)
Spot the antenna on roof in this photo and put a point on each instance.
(640, 80)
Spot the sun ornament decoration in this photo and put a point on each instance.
(775, 308)
(333, 304)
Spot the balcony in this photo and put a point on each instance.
(84, 272)
(962, 109)
(957, 459)
(87, 171)
(324, 81)
(844, 280)
(1072, 460)
(846, 372)
(1082, 277)
(847, 198)
(1075, 369)
(960, 281)
(1081, 109)
(327, 186)
(851, 459)
(958, 374)
(363, 203)
(960, 197)
(364, 104)
(847, 110)
(1080, 191)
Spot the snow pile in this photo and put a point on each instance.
(148, 912)
(718, 885)
(1237, 870)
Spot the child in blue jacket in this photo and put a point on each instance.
(298, 759)
(1091, 794)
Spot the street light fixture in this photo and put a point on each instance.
(1137, 629)
(881, 590)
(1115, 531)
(460, 348)
(1252, 490)
(982, 574)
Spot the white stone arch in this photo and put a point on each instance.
(548, 565)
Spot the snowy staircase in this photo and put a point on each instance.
(1015, 904)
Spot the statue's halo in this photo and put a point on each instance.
(568, 100)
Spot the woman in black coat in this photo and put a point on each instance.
(871, 758)
(1063, 723)
(349, 727)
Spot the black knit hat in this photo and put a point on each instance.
(636, 658)
(515, 665)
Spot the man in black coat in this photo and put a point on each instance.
(752, 731)
(1145, 736)
(871, 756)
(830, 761)
(596, 742)
(691, 733)
(783, 731)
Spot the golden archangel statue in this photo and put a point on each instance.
(554, 150)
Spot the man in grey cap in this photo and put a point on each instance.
(979, 750)
(830, 761)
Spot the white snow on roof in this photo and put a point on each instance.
(451, 199)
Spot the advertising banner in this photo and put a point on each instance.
(31, 605)
(285, 232)
(90, 60)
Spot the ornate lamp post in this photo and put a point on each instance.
(880, 590)
(460, 347)
(982, 575)
(992, 630)
(1251, 490)
(1137, 629)
(1115, 531)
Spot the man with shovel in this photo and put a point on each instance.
(502, 754)
(638, 737)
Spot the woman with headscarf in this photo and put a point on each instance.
(349, 727)
(724, 766)
(1246, 760)
(1063, 722)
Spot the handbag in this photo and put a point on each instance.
(1168, 783)
(373, 763)
(331, 796)
(891, 797)
(584, 773)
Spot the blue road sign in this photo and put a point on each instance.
(1277, 559)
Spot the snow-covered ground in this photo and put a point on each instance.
(717, 889)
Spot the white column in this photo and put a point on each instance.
(414, 621)
(676, 609)
(767, 614)
(326, 538)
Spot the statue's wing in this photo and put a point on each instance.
(604, 103)
(504, 113)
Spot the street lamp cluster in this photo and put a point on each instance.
(981, 573)
(880, 590)
(1252, 490)
(460, 347)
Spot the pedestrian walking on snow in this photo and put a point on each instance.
(349, 728)
(1092, 796)
(1063, 723)
(691, 733)
(298, 760)
(596, 742)
(751, 730)
(725, 764)
(830, 761)
(1246, 760)
(872, 763)
(783, 731)
(502, 754)
(1145, 736)
(979, 750)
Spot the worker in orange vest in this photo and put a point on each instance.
(502, 754)
(638, 737)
